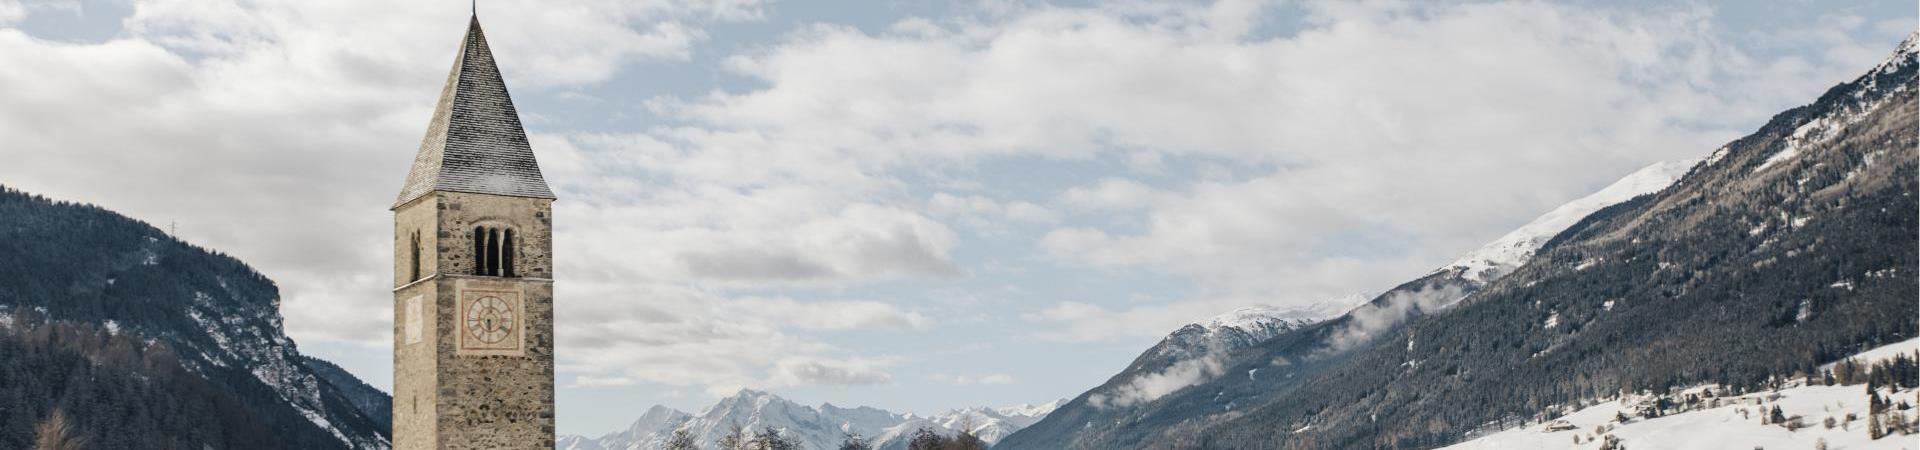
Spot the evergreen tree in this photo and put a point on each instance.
(769, 438)
(57, 433)
(735, 439)
(682, 440)
(926, 439)
(853, 441)
(965, 440)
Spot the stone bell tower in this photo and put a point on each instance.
(473, 274)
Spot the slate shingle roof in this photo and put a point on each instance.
(475, 143)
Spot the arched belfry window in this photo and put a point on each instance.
(479, 250)
(506, 254)
(493, 251)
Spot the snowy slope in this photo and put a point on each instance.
(823, 427)
(1188, 349)
(1247, 326)
(1907, 347)
(1734, 424)
(1722, 427)
(1194, 353)
(1510, 251)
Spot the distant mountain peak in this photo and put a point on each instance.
(1029, 409)
(1908, 48)
(816, 427)
(1260, 318)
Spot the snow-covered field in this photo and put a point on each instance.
(1907, 347)
(1726, 427)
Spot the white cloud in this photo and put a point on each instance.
(811, 371)
(1079, 321)
(12, 11)
(1377, 142)
(254, 124)
(622, 334)
(15, 11)
(833, 316)
(981, 212)
(1354, 173)
(1368, 321)
(1114, 194)
(582, 43)
(1153, 385)
(970, 380)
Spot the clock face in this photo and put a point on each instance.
(491, 322)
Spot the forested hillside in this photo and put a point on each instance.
(137, 340)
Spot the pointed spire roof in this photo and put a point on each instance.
(475, 143)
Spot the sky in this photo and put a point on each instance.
(917, 205)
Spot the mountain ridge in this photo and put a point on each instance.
(1783, 248)
(822, 427)
(1187, 357)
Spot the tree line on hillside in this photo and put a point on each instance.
(66, 382)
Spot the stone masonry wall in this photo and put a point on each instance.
(415, 369)
(414, 365)
(469, 401)
(498, 402)
(530, 218)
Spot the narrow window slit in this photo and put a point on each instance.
(416, 257)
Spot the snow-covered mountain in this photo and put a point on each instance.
(1251, 325)
(1262, 322)
(649, 432)
(1189, 355)
(822, 428)
(989, 424)
(1197, 352)
(1503, 255)
(1235, 330)
(1789, 246)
